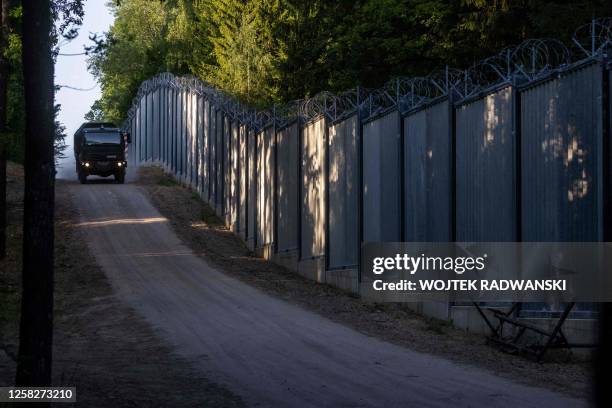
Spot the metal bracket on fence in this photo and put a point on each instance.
(594, 39)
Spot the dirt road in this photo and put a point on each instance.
(268, 351)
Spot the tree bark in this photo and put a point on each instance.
(36, 326)
(4, 77)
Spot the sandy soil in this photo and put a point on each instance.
(101, 346)
(198, 227)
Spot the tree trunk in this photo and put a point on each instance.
(36, 326)
(4, 74)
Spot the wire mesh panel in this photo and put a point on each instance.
(251, 187)
(234, 180)
(313, 190)
(381, 179)
(242, 177)
(427, 177)
(486, 196)
(561, 145)
(287, 189)
(344, 193)
(265, 186)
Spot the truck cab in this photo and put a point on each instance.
(100, 149)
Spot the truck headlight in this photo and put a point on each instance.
(86, 164)
(119, 164)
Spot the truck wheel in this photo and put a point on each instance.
(82, 177)
(120, 177)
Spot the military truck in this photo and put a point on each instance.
(100, 149)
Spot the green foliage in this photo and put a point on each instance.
(15, 121)
(68, 14)
(266, 51)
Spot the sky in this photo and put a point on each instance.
(72, 71)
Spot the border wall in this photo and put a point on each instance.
(521, 155)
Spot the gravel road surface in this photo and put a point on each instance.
(268, 351)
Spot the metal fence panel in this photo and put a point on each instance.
(313, 190)
(153, 125)
(381, 179)
(135, 136)
(202, 149)
(173, 110)
(131, 157)
(206, 151)
(427, 177)
(171, 128)
(185, 140)
(219, 162)
(252, 186)
(343, 221)
(234, 180)
(243, 182)
(149, 128)
(198, 119)
(227, 169)
(260, 177)
(213, 157)
(265, 187)
(287, 190)
(486, 193)
(181, 134)
(194, 141)
(189, 159)
(141, 130)
(561, 149)
(165, 133)
(188, 138)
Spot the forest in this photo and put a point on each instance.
(259, 51)
(271, 51)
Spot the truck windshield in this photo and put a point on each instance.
(96, 138)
